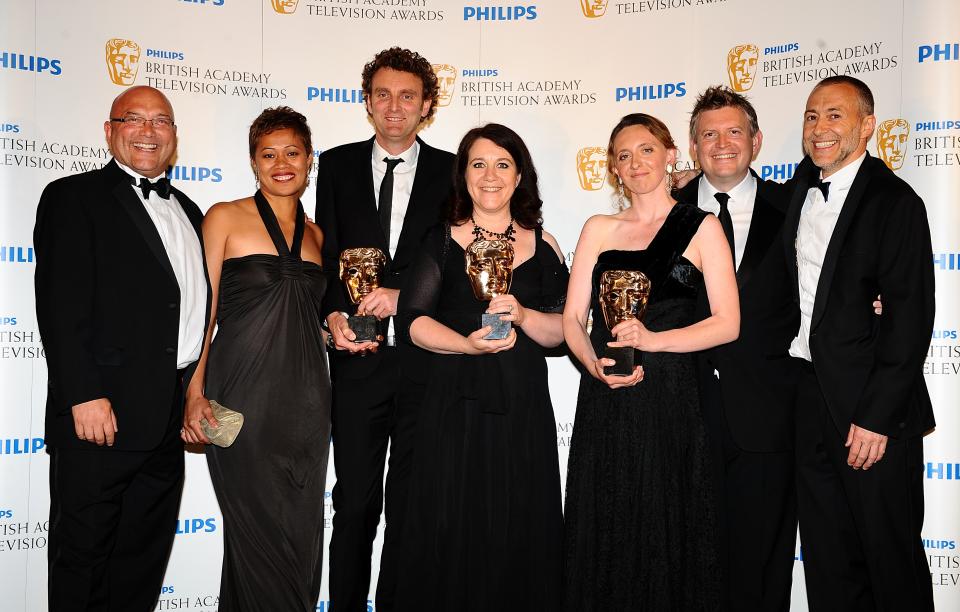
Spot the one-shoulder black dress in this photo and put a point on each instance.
(639, 530)
(484, 518)
(268, 362)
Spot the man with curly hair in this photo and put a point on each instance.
(384, 192)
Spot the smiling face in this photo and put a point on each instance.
(396, 105)
(281, 163)
(489, 265)
(835, 129)
(145, 149)
(724, 147)
(640, 160)
(491, 176)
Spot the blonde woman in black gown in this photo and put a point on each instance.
(268, 362)
(639, 530)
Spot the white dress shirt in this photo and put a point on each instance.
(740, 205)
(183, 250)
(403, 175)
(817, 222)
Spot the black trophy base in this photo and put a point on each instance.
(627, 359)
(500, 329)
(364, 326)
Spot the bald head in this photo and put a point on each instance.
(146, 149)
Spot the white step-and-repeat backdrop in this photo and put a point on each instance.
(560, 72)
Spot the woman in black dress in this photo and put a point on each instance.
(484, 516)
(267, 362)
(639, 530)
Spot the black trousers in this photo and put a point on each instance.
(757, 514)
(859, 529)
(368, 415)
(113, 517)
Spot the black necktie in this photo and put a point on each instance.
(162, 187)
(725, 221)
(824, 188)
(385, 203)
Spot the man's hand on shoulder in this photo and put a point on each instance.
(95, 421)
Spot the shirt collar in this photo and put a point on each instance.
(136, 175)
(739, 194)
(843, 178)
(409, 157)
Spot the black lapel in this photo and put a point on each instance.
(849, 210)
(138, 213)
(366, 207)
(764, 224)
(420, 204)
(806, 172)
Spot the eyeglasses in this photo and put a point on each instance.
(159, 123)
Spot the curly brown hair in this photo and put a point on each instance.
(403, 60)
(280, 118)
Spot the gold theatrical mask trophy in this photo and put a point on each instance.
(360, 271)
(623, 296)
(490, 268)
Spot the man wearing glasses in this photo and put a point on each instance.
(121, 297)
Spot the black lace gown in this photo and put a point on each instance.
(484, 521)
(639, 528)
(268, 362)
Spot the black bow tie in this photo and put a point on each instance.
(824, 188)
(162, 187)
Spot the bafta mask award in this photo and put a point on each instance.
(490, 268)
(360, 271)
(623, 296)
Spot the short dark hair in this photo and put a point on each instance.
(403, 60)
(717, 97)
(864, 94)
(280, 118)
(654, 126)
(525, 204)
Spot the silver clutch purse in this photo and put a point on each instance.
(229, 424)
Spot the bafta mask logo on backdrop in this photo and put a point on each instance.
(592, 168)
(446, 79)
(742, 66)
(593, 8)
(892, 136)
(284, 7)
(123, 59)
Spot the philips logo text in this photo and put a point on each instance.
(195, 173)
(778, 172)
(30, 63)
(938, 52)
(21, 446)
(941, 261)
(651, 92)
(500, 13)
(335, 94)
(943, 471)
(196, 525)
(16, 254)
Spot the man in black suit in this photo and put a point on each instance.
(746, 390)
(854, 230)
(384, 192)
(121, 298)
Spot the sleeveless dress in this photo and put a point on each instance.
(268, 362)
(484, 522)
(639, 528)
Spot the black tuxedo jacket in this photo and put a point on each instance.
(870, 368)
(108, 306)
(755, 384)
(347, 213)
